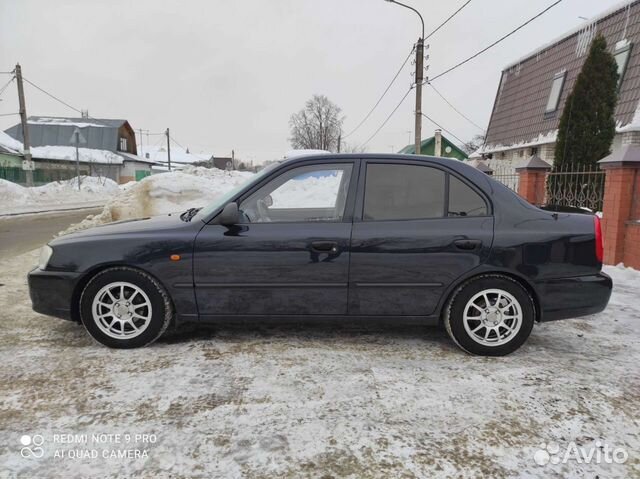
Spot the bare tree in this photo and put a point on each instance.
(317, 126)
(352, 148)
(473, 144)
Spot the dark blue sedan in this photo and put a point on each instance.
(355, 237)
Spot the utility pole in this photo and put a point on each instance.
(339, 141)
(168, 149)
(141, 145)
(27, 164)
(419, 79)
(77, 137)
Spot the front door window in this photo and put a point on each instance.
(304, 194)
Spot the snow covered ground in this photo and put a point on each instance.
(316, 400)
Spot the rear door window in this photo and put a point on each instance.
(463, 200)
(403, 192)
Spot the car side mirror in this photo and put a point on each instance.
(229, 215)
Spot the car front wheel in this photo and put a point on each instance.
(124, 308)
(491, 315)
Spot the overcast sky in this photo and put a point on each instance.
(227, 75)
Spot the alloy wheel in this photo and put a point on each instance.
(492, 317)
(121, 310)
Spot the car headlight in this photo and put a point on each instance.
(45, 254)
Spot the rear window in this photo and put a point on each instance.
(403, 192)
(464, 201)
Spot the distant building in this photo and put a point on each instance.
(428, 147)
(99, 134)
(107, 148)
(533, 90)
(223, 162)
(179, 157)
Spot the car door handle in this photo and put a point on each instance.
(324, 246)
(467, 244)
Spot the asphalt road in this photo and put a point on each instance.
(22, 233)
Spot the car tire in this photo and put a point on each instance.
(125, 308)
(490, 315)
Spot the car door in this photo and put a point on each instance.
(290, 254)
(417, 228)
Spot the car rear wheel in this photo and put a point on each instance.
(491, 315)
(125, 308)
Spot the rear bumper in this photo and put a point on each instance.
(572, 297)
(51, 292)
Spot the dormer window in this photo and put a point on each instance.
(556, 90)
(123, 144)
(621, 54)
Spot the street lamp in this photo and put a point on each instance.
(419, 78)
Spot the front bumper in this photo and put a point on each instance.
(572, 297)
(51, 292)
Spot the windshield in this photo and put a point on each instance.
(225, 198)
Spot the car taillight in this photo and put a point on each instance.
(599, 243)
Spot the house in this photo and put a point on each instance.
(107, 148)
(533, 89)
(179, 157)
(224, 162)
(429, 146)
(10, 158)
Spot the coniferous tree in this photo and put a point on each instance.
(587, 125)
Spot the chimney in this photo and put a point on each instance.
(437, 150)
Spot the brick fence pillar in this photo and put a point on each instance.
(620, 206)
(531, 184)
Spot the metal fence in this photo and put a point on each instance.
(506, 175)
(579, 186)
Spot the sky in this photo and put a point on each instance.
(228, 75)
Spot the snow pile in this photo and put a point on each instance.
(166, 193)
(91, 189)
(310, 192)
(10, 143)
(12, 193)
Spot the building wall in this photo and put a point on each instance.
(509, 158)
(125, 132)
(134, 171)
(47, 171)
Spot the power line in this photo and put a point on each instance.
(496, 42)
(8, 114)
(52, 96)
(6, 85)
(394, 79)
(386, 119)
(443, 128)
(381, 97)
(455, 109)
(185, 149)
(447, 20)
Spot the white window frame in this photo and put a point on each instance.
(553, 102)
(123, 143)
(622, 68)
